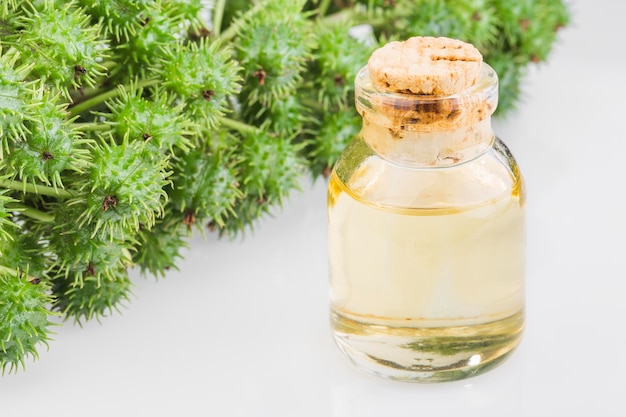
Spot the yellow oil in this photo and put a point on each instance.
(427, 268)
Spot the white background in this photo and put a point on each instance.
(242, 328)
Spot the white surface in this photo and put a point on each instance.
(242, 329)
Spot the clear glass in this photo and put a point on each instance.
(426, 237)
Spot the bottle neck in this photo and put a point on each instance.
(427, 130)
(431, 148)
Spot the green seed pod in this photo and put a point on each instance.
(62, 45)
(203, 75)
(122, 18)
(93, 297)
(125, 188)
(158, 248)
(80, 252)
(325, 146)
(204, 187)
(51, 144)
(158, 120)
(269, 168)
(334, 68)
(24, 318)
(146, 46)
(273, 46)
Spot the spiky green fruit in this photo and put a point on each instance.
(80, 253)
(204, 187)
(337, 69)
(159, 249)
(92, 297)
(202, 74)
(51, 145)
(125, 188)
(24, 318)
(334, 133)
(269, 168)
(63, 45)
(145, 47)
(157, 119)
(273, 46)
(122, 18)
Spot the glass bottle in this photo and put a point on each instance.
(426, 236)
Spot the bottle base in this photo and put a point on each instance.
(427, 354)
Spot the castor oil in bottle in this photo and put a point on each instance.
(426, 234)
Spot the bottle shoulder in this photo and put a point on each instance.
(494, 175)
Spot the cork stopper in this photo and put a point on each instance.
(425, 66)
(427, 101)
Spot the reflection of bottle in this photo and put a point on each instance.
(426, 220)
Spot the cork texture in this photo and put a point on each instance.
(425, 66)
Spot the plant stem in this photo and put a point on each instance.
(218, 15)
(91, 127)
(31, 212)
(94, 101)
(239, 126)
(35, 189)
(323, 7)
(228, 34)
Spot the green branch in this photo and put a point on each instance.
(31, 212)
(35, 189)
(323, 7)
(239, 126)
(218, 15)
(92, 127)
